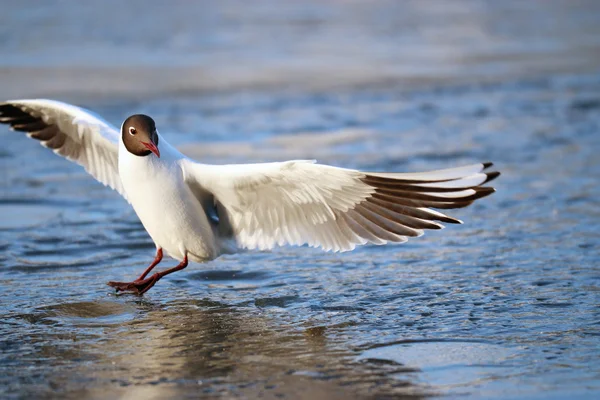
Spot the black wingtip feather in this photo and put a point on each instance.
(491, 176)
(488, 164)
(10, 111)
(20, 120)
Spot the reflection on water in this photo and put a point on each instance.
(134, 348)
(505, 306)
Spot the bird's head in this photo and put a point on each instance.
(139, 135)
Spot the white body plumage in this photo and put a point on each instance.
(165, 204)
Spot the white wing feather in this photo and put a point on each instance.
(300, 202)
(72, 132)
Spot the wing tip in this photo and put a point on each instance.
(10, 104)
(481, 192)
(455, 221)
(491, 176)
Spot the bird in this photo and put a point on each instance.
(196, 212)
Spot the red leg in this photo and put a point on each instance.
(123, 285)
(141, 286)
(157, 259)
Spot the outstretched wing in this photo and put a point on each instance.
(71, 132)
(300, 202)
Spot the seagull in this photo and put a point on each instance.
(196, 212)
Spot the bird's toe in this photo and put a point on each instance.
(139, 286)
(124, 286)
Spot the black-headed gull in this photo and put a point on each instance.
(192, 210)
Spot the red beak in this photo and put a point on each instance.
(152, 148)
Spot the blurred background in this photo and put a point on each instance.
(505, 306)
(141, 48)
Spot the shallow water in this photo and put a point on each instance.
(504, 306)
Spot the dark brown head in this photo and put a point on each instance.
(139, 135)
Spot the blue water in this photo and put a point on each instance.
(504, 306)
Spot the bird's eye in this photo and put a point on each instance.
(132, 130)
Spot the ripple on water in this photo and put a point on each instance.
(87, 313)
(280, 301)
(447, 365)
(229, 275)
(35, 262)
(26, 215)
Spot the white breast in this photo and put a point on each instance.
(167, 208)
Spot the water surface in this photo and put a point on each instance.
(504, 306)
